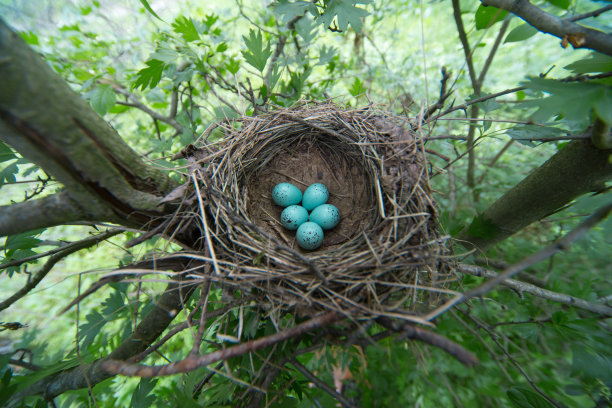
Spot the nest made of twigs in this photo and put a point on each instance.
(385, 258)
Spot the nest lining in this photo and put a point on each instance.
(385, 258)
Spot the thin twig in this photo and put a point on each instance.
(55, 258)
(523, 287)
(192, 362)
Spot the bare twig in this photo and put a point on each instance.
(410, 331)
(192, 362)
(561, 244)
(523, 287)
(594, 13)
(136, 103)
(55, 258)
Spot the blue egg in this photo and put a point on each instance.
(315, 195)
(293, 216)
(286, 194)
(309, 236)
(326, 215)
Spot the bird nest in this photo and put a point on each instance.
(385, 258)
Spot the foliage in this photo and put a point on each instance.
(203, 66)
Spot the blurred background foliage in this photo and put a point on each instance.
(161, 72)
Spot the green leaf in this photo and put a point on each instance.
(29, 37)
(89, 330)
(257, 55)
(521, 33)
(150, 76)
(25, 240)
(146, 5)
(233, 65)
(522, 397)
(113, 306)
(141, 397)
(346, 13)
(288, 10)
(102, 99)
(595, 63)
(573, 101)
(357, 88)
(185, 27)
(527, 134)
(306, 29)
(7, 174)
(6, 153)
(486, 16)
(564, 4)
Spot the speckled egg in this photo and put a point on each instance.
(286, 194)
(315, 195)
(293, 216)
(326, 215)
(309, 236)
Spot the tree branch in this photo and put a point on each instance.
(577, 169)
(136, 103)
(411, 331)
(570, 32)
(151, 327)
(54, 127)
(49, 211)
(523, 287)
(193, 362)
(594, 13)
(86, 243)
(320, 384)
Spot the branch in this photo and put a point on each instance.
(523, 287)
(410, 331)
(33, 282)
(562, 244)
(54, 127)
(594, 13)
(135, 103)
(572, 33)
(151, 327)
(577, 169)
(193, 362)
(49, 211)
(466, 46)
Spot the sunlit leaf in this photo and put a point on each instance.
(257, 55)
(146, 5)
(185, 27)
(486, 16)
(102, 99)
(345, 12)
(150, 76)
(141, 397)
(521, 33)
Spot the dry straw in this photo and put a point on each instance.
(386, 258)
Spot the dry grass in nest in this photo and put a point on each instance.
(385, 258)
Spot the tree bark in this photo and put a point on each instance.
(577, 169)
(51, 125)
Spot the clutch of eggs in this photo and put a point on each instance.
(295, 217)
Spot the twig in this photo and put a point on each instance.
(561, 244)
(320, 384)
(411, 331)
(523, 287)
(594, 13)
(512, 359)
(55, 258)
(191, 363)
(136, 103)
